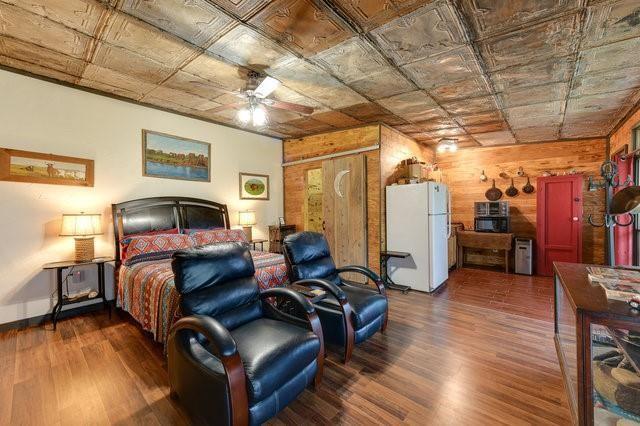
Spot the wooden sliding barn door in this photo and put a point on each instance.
(344, 205)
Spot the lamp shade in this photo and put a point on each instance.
(247, 218)
(626, 200)
(80, 225)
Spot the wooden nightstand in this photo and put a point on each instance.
(62, 298)
(258, 241)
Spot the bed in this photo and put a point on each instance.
(144, 283)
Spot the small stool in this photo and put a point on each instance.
(388, 282)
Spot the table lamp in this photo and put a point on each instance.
(83, 227)
(247, 219)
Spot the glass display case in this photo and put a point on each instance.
(598, 346)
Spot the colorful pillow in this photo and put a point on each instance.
(124, 242)
(202, 238)
(156, 247)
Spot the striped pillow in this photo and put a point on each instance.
(213, 236)
(155, 247)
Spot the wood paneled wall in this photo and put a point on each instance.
(461, 171)
(624, 134)
(382, 168)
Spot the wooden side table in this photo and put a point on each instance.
(63, 299)
(484, 240)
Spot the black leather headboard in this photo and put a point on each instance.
(162, 213)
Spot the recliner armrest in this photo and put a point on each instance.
(289, 294)
(325, 285)
(366, 272)
(220, 340)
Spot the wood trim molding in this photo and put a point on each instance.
(624, 118)
(334, 155)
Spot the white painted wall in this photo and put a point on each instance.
(45, 117)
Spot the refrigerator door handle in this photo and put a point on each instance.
(449, 216)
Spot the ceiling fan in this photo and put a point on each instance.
(254, 100)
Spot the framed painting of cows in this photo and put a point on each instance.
(37, 167)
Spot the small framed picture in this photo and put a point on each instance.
(281, 221)
(254, 187)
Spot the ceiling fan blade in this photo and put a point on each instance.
(267, 86)
(303, 109)
(225, 107)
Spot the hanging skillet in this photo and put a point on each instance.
(511, 191)
(528, 188)
(493, 193)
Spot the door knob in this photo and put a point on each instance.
(575, 218)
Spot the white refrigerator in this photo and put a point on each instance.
(419, 222)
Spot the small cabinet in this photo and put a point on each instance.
(277, 235)
(453, 244)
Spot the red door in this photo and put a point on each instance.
(559, 221)
(623, 235)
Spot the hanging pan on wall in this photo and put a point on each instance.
(511, 191)
(493, 193)
(528, 188)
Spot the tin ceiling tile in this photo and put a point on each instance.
(471, 106)
(130, 63)
(543, 41)
(430, 30)
(124, 31)
(537, 134)
(81, 15)
(543, 114)
(37, 69)
(303, 25)
(196, 21)
(601, 102)
(445, 133)
(283, 93)
(612, 56)
(383, 84)
(491, 17)
(108, 88)
(534, 74)
(534, 95)
(435, 124)
(18, 23)
(370, 14)
(495, 138)
(455, 65)
(184, 99)
(246, 47)
(586, 125)
(481, 118)
(412, 106)
(40, 56)
(606, 82)
(370, 112)
(106, 76)
(487, 127)
(195, 85)
(220, 73)
(242, 8)
(471, 88)
(310, 125)
(611, 21)
(336, 119)
(315, 83)
(351, 60)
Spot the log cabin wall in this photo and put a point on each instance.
(623, 135)
(332, 143)
(461, 171)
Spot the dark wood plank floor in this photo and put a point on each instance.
(444, 360)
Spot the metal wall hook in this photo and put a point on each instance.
(631, 220)
(597, 225)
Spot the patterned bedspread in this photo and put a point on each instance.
(146, 290)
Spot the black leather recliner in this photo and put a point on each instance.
(233, 358)
(351, 313)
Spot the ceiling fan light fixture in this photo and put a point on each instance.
(244, 116)
(259, 116)
(447, 145)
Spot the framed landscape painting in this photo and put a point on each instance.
(254, 187)
(38, 167)
(173, 157)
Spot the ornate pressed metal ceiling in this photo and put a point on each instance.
(487, 72)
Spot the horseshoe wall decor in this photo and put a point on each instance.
(338, 180)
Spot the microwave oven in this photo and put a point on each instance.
(500, 224)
